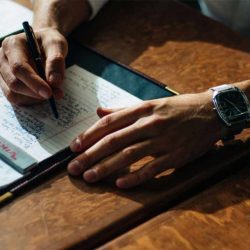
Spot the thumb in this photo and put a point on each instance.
(55, 49)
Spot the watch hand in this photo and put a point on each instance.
(232, 104)
(243, 113)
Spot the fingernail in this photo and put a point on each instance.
(76, 145)
(90, 175)
(120, 183)
(55, 78)
(44, 93)
(75, 168)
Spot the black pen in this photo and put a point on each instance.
(36, 56)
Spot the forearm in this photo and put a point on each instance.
(245, 87)
(63, 15)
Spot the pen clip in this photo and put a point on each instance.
(32, 41)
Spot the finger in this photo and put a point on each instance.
(13, 83)
(107, 125)
(124, 158)
(101, 112)
(147, 172)
(118, 140)
(15, 98)
(55, 51)
(108, 146)
(15, 50)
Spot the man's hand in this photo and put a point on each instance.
(173, 130)
(53, 21)
(19, 79)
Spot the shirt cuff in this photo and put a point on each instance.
(95, 6)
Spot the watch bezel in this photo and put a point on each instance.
(221, 114)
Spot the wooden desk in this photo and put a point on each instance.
(218, 218)
(174, 45)
(26, 3)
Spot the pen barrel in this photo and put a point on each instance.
(40, 68)
(5, 197)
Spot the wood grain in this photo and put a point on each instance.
(174, 45)
(218, 218)
(26, 3)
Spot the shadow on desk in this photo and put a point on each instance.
(183, 183)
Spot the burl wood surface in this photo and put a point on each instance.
(176, 46)
(215, 219)
(26, 3)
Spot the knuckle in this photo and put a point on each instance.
(101, 170)
(1, 56)
(58, 58)
(143, 124)
(17, 68)
(13, 84)
(84, 159)
(128, 152)
(140, 124)
(80, 139)
(6, 42)
(138, 178)
(57, 40)
(11, 97)
(105, 121)
(146, 175)
(110, 141)
(84, 137)
(146, 107)
(61, 41)
(11, 41)
(157, 121)
(152, 124)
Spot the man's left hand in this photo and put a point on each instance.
(174, 130)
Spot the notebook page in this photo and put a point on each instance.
(37, 132)
(13, 14)
(7, 174)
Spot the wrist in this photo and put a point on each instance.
(232, 107)
(217, 128)
(245, 87)
(62, 15)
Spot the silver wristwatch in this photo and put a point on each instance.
(233, 109)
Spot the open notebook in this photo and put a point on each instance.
(29, 135)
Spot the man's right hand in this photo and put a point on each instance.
(19, 80)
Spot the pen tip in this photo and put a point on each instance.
(55, 112)
(53, 107)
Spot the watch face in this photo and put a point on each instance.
(232, 106)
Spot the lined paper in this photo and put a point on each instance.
(37, 132)
(12, 15)
(7, 174)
